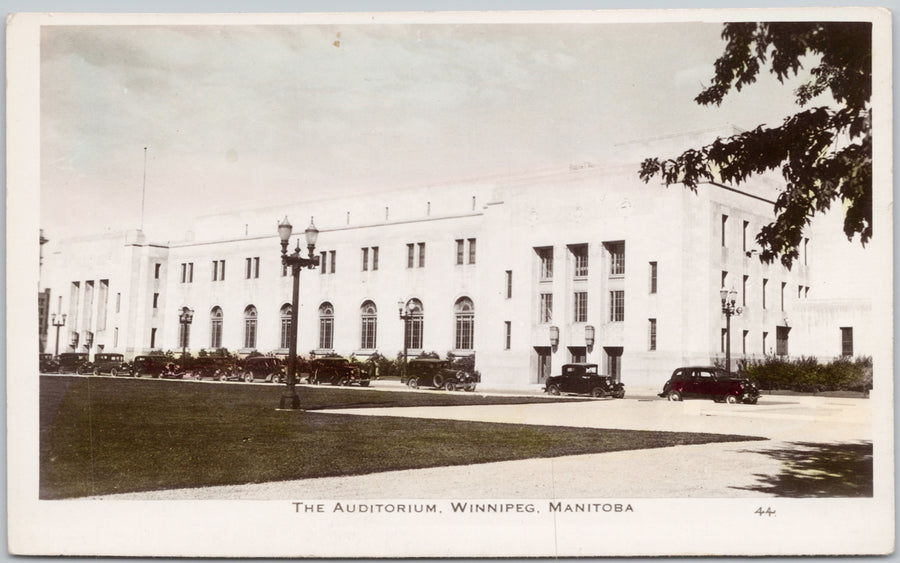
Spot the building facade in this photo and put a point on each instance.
(529, 272)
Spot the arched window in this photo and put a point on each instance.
(215, 328)
(415, 324)
(326, 326)
(250, 327)
(369, 325)
(464, 312)
(286, 325)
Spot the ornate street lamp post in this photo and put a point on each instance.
(728, 307)
(185, 318)
(290, 399)
(405, 315)
(59, 324)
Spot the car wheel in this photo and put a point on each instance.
(450, 386)
(344, 382)
(223, 377)
(731, 399)
(96, 371)
(753, 401)
(363, 383)
(248, 377)
(470, 388)
(597, 392)
(438, 380)
(674, 395)
(413, 383)
(113, 372)
(553, 390)
(136, 373)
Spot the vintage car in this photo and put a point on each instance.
(47, 364)
(263, 368)
(584, 379)
(153, 365)
(336, 371)
(708, 382)
(219, 368)
(439, 374)
(112, 364)
(74, 362)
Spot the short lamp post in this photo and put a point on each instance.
(185, 317)
(57, 324)
(405, 315)
(290, 399)
(729, 309)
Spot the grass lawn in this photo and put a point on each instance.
(101, 435)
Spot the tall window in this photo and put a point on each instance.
(184, 335)
(374, 258)
(326, 326)
(333, 255)
(156, 268)
(323, 261)
(652, 277)
(651, 323)
(365, 259)
(765, 338)
(545, 255)
(783, 286)
(368, 325)
(187, 272)
(744, 290)
(471, 251)
(410, 255)
(252, 268)
(617, 306)
(580, 313)
(250, 327)
(460, 251)
(580, 258)
(764, 286)
(724, 229)
(421, 254)
(215, 328)
(218, 270)
(781, 340)
(546, 307)
(464, 312)
(507, 334)
(509, 284)
(616, 258)
(414, 325)
(286, 325)
(846, 341)
(744, 236)
(366, 263)
(155, 300)
(744, 341)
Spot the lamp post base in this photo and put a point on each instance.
(289, 402)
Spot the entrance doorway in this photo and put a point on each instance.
(543, 362)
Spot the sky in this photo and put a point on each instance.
(250, 116)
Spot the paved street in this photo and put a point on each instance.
(795, 427)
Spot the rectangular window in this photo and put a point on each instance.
(323, 259)
(465, 331)
(155, 300)
(116, 337)
(616, 258)
(190, 272)
(156, 268)
(652, 337)
(326, 333)
(581, 298)
(410, 255)
(846, 341)
(744, 341)
(184, 336)
(744, 284)
(546, 307)
(256, 267)
(764, 285)
(249, 268)
(781, 340)
(509, 284)
(580, 258)
(118, 302)
(652, 277)
(153, 338)
(507, 338)
(215, 333)
(374, 258)
(545, 255)
(765, 337)
(723, 339)
(805, 250)
(471, 251)
(365, 259)
(460, 250)
(421, 254)
(414, 334)
(218, 272)
(368, 329)
(724, 228)
(799, 291)
(183, 273)
(333, 254)
(724, 279)
(616, 306)
(286, 331)
(744, 236)
(783, 286)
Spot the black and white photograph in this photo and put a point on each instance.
(450, 284)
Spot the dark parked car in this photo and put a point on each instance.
(584, 379)
(440, 374)
(112, 364)
(153, 366)
(263, 368)
(708, 382)
(74, 362)
(46, 364)
(219, 368)
(336, 371)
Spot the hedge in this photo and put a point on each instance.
(806, 374)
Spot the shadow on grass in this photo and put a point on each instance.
(819, 470)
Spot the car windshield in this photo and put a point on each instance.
(590, 370)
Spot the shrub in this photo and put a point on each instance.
(806, 374)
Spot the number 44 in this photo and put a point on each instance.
(767, 511)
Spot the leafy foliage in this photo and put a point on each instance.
(824, 153)
(808, 375)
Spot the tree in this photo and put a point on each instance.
(824, 153)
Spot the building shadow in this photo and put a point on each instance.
(818, 470)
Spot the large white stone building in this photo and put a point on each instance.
(584, 263)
